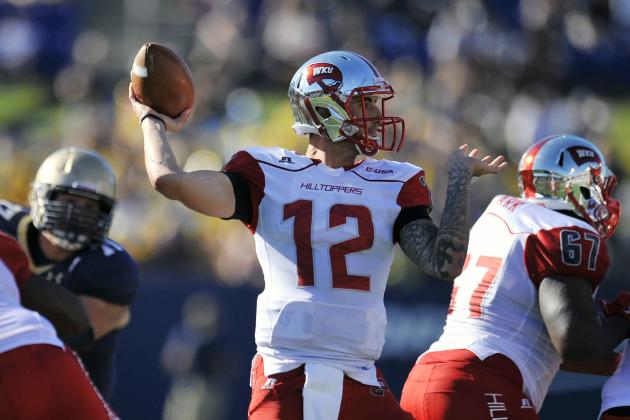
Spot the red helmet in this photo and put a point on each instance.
(566, 172)
(322, 91)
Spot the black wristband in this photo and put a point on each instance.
(155, 117)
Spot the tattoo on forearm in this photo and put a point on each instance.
(442, 251)
(166, 161)
(159, 153)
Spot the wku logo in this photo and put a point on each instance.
(582, 155)
(327, 76)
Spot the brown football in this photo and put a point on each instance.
(162, 80)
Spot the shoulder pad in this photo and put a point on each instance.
(110, 247)
(528, 217)
(110, 254)
(279, 157)
(107, 272)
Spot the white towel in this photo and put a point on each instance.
(322, 391)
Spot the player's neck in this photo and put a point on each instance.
(52, 251)
(334, 155)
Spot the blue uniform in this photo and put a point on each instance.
(107, 272)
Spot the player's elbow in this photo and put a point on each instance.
(578, 348)
(166, 185)
(159, 184)
(76, 323)
(454, 271)
(452, 266)
(446, 274)
(580, 355)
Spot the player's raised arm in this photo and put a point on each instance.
(207, 192)
(441, 251)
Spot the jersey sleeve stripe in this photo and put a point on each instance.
(246, 165)
(414, 192)
(526, 170)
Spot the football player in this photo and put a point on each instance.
(325, 225)
(523, 302)
(616, 390)
(64, 234)
(40, 377)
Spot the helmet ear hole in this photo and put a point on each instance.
(321, 93)
(586, 193)
(323, 112)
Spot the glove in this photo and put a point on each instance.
(620, 305)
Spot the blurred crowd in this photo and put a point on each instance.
(496, 74)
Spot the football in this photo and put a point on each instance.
(162, 80)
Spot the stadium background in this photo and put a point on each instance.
(495, 73)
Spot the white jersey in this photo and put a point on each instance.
(18, 325)
(616, 390)
(325, 240)
(494, 306)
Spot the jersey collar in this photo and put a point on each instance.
(345, 167)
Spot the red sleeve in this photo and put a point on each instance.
(248, 167)
(415, 192)
(570, 251)
(15, 259)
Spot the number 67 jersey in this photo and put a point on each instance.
(494, 305)
(325, 239)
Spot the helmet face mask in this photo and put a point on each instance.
(72, 198)
(341, 96)
(569, 173)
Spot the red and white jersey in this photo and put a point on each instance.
(616, 390)
(494, 305)
(19, 326)
(325, 240)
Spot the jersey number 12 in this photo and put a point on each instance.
(302, 212)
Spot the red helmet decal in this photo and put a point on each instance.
(581, 155)
(527, 175)
(326, 75)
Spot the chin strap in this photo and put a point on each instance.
(366, 150)
(607, 224)
(580, 209)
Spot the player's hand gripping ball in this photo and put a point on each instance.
(161, 80)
